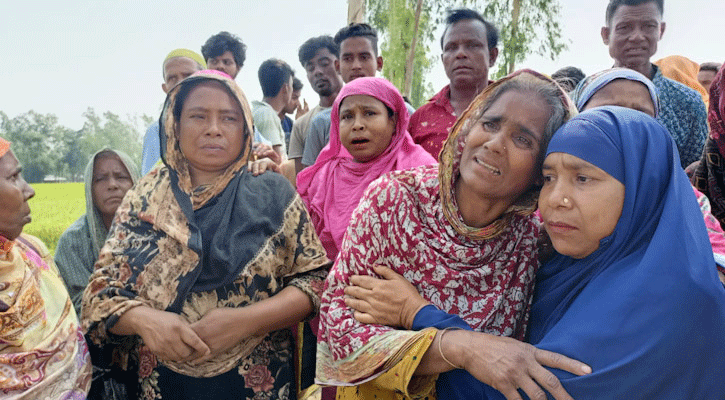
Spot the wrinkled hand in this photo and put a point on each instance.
(213, 328)
(302, 109)
(507, 364)
(258, 167)
(391, 301)
(262, 150)
(169, 337)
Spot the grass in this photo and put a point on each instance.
(54, 208)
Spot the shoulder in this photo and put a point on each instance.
(321, 119)
(269, 188)
(677, 91)
(35, 244)
(77, 231)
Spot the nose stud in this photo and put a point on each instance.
(566, 200)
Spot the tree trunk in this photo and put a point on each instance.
(411, 54)
(514, 31)
(355, 11)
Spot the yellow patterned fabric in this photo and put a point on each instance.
(398, 382)
(43, 354)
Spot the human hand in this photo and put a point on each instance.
(167, 335)
(507, 364)
(258, 167)
(261, 150)
(391, 301)
(216, 330)
(302, 109)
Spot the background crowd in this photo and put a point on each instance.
(534, 236)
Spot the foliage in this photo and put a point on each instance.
(526, 27)
(45, 148)
(395, 22)
(54, 208)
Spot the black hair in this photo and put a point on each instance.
(222, 42)
(358, 30)
(568, 77)
(615, 4)
(313, 45)
(296, 84)
(462, 14)
(710, 66)
(273, 73)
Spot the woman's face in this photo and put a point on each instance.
(499, 159)
(211, 131)
(111, 181)
(624, 93)
(365, 127)
(579, 203)
(14, 195)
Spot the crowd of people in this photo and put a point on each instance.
(531, 237)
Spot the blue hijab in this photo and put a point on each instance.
(646, 310)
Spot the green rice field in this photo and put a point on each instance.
(54, 208)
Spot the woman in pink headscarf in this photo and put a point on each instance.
(368, 138)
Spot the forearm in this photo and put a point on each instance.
(282, 310)
(129, 322)
(452, 346)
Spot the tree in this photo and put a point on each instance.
(406, 30)
(111, 131)
(526, 27)
(36, 142)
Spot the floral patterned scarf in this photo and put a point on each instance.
(43, 354)
(409, 221)
(188, 250)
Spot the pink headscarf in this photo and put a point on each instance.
(333, 186)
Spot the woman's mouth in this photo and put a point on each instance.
(491, 168)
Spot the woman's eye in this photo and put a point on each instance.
(583, 179)
(524, 140)
(489, 125)
(370, 113)
(548, 178)
(345, 116)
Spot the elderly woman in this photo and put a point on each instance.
(109, 175)
(206, 266)
(633, 289)
(42, 351)
(464, 234)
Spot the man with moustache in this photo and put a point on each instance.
(319, 56)
(469, 50)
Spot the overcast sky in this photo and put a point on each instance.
(61, 57)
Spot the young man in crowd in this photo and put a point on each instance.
(225, 52)
(319, 56)
(275, 77)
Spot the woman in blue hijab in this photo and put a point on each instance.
(633, 291)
